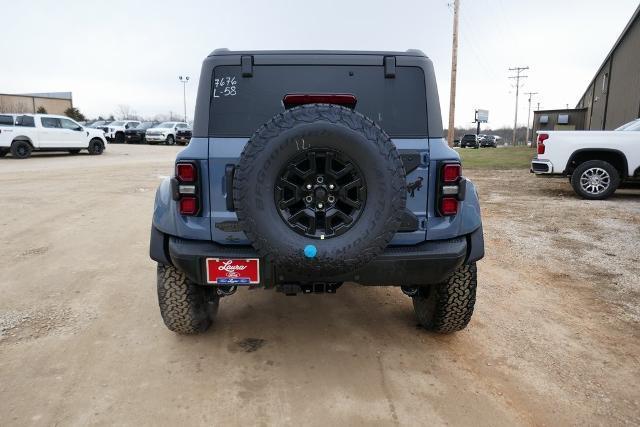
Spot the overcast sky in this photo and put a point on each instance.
(125, 52)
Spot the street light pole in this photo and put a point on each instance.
(184, 82)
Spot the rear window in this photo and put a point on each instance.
(6, 120)
(239, 105)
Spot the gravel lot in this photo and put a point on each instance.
(554, 340)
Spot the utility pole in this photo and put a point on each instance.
(184, 82)
(518, 76)
(529, 114)
(454, 72)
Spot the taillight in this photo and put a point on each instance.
(451, 172)
(188, 194)
(541, 139)
(451, 188)
(186, 172)
(188, 205)
(449, 206)
(344, 99)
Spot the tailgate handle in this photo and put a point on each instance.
(229, 170)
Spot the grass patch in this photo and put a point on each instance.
(497, 158)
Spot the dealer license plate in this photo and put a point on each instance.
(224, 271)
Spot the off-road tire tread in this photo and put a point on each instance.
(184, 306)
(453, 301)
(337, 115)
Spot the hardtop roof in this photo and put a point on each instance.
(225, 51)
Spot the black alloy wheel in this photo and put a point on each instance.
(320, 193)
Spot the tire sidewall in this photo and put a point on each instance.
(96, 147)
(262, 165)
(17, 146)
(613, 174)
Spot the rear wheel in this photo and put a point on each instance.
(447, 307)
(96, 147)
(595, 180)
(21, 149)
(119, 139)
(186, 308)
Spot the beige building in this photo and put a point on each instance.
(53, 103)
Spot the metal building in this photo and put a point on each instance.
(613, 96)
(52, 102)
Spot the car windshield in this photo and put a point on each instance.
(166, 125)
(631, 126)
(98, 123)
(145, 125)
(117, 124)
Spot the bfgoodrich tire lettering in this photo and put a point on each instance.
(186, 308)
(447, 307)
(319, 126)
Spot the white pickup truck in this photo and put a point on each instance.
(115, 130)
(596, 162)
(20, 134)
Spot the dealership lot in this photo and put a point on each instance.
(555, 338)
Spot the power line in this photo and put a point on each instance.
(517, 77)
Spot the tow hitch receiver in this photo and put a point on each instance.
(293, 289)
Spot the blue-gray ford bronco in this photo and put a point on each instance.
(310, 169)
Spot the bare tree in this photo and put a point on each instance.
(125, 112)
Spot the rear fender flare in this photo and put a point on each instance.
(625, 162)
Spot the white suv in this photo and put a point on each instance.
(164, 132)
(115, 130)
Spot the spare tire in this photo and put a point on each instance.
(320, 189)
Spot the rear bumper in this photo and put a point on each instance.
(423, 264)
(540, 167)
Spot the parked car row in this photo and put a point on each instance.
(21, 134)
(134, 131)
(471, 140)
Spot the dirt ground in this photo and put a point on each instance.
(554, 339)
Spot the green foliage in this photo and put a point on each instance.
(41, 110)
(75, 114)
